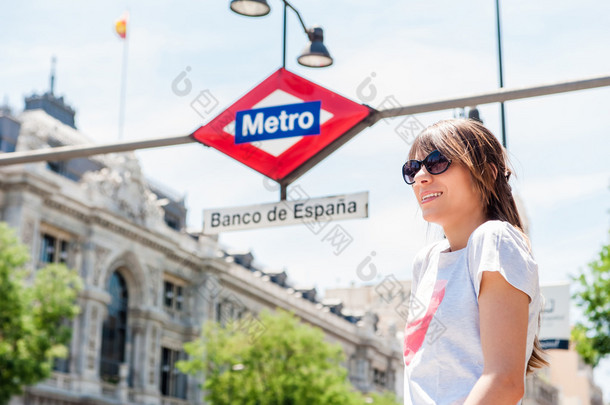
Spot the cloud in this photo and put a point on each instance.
(542, 193)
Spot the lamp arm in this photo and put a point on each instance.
(298, 15)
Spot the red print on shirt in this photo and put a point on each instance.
(415, 331)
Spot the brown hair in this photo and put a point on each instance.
(471, 144)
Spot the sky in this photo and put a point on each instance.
(405, 51)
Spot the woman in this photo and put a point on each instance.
(475, 301)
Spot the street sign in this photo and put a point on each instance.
(308, 212)
(555, 322)
(281, 124)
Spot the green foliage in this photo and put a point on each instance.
(387, 398)
(32, 314)
(286, 363)
(592, 337)
(584, 345)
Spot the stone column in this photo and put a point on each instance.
(153, 359)
(135, 350)
(21, 211)
(93, 303)
(147, 329)
(123, 383)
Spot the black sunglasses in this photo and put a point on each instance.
(435, 162)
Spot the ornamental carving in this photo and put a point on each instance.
(27, 231)
(91, 346)
(152, 359)
(101, 254)
(125, 191)
(153, 284)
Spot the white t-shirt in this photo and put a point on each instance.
(442, 347)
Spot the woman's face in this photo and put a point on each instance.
(448, 198)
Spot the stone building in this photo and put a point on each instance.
(148, 283)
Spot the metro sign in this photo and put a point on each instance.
(281, 124)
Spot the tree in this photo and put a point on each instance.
(33, 314)
(592, 337)
(274, 359)
(387, 398)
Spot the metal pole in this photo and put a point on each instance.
(298, 16)
(52, 81)
(75, 151)
(123, 87)
(502, 116)
(284, 43)
(286, 5)
(498, 96)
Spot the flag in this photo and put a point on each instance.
(121, 25)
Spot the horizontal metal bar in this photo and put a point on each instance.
(497, 96)
(76, 151)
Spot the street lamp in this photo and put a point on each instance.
(250, 8)
(314, 54)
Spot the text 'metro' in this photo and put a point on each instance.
(282, 121)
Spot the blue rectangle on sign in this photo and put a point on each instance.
(281, 121)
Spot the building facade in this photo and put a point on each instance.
(148, 283)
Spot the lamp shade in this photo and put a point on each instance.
(250, 8)
(473, 113)
(315, 53)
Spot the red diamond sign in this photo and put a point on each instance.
(281, 124)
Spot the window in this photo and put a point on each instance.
(172, 221)
(379, 377)
(219, 313)
(227, 310)
(173, 298)
(57, 167)
(114, 332)
(61, 365)
(53, 245)
(53, 249)
(6, 145)
(65, 169)
(173, 382)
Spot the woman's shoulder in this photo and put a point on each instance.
(500, 233)
(493, 225)
(500, 246)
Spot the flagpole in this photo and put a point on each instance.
(123, 87)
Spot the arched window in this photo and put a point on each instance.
(114, 333)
